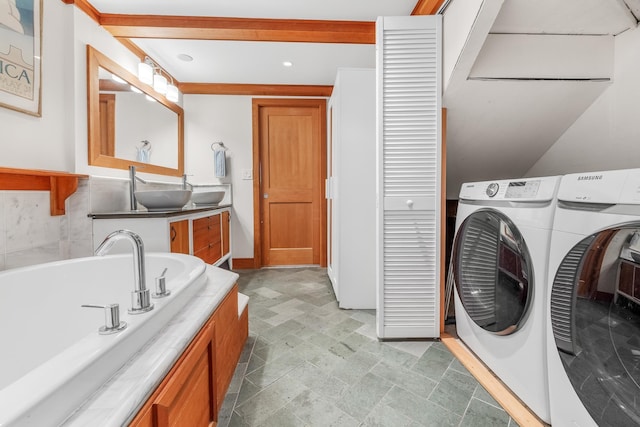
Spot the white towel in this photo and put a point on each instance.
(220, 160)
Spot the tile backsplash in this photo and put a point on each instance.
(30, 235)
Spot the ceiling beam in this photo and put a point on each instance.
(255, 89)
(427, 7)
(212, 28)
(86, 7)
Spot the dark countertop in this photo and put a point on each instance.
(191, 209)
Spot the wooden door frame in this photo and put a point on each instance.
(257, 103)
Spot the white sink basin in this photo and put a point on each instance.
(158, 200)
(207, 197)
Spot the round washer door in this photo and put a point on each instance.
(493, 272)
(595, 316)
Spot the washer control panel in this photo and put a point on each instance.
(522, 189)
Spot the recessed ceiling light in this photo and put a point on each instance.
(287, 63)
(184, 57)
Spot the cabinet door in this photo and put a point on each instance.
(188, 397)
(226, 218)
(179, 235)
(215, 236)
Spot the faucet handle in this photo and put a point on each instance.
(112, 323)
(161, 286)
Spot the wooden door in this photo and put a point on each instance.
(291, 156)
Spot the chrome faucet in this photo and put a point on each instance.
(132, 187)
(186, 183)
(140, 300)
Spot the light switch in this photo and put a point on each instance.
(247, 174)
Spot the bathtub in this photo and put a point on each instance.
(52, 357)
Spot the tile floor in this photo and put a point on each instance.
(308, 363)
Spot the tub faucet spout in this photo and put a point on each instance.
(140, 298)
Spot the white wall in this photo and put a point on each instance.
(45, 142)
(211, 118)
(607, 134)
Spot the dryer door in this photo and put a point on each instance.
(493, 272)
(595, 316)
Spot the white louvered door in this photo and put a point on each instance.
(409, 134)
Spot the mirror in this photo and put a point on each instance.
(128, 128)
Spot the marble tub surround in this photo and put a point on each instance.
(117, 401)
(29, 235)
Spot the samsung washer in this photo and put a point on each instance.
(503, 231)
(593, 315)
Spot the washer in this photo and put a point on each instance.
(593, 315)
(503, 232)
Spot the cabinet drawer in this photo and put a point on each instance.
(201, 239)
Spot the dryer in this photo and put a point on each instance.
(503, 232)
(593, 309)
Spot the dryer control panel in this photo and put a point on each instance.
(522, 190)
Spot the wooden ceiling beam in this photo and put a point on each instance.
(239, 29)
(255, 89)
(427, 7)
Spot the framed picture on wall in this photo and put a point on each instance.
(20, 55)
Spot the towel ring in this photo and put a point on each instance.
(221, 144)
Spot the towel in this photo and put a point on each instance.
(220, 160)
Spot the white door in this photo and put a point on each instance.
(409, 135)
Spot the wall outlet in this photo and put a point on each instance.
(247, 174)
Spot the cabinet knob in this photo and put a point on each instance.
(410, 203)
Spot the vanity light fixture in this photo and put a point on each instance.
(145, 71)
(152, 74)
(172, 92)
(160, 83)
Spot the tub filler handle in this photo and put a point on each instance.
(161, 286)
(112, 323)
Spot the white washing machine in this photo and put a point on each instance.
(593, 314)
(503, 232)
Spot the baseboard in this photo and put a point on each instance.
(243, 263)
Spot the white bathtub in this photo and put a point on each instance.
(52, 357)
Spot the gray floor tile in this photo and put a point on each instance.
(316, 411)
(481, 414)
(406, 379)
(384, 416)
(318, 381)
(360, 399)
(420, 410)
(454, 391)
(309, 363)
(433, 363)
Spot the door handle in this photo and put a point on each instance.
(265, 195)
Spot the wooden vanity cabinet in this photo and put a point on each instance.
(193, 391)
(187, 395)
(207, 238)
(226, 220)
(179, 236)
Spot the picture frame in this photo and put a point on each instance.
(21, 55)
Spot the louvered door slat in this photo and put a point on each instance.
(409, 141)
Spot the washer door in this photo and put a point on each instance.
(493, 272)
(595, 315)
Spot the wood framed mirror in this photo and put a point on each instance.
(129, 123)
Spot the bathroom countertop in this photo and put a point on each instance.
(191, 209)
(118, 401)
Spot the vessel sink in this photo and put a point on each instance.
(207, 197)
(160, 200)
